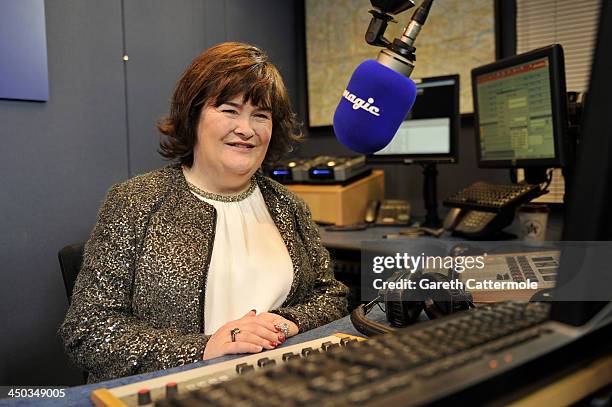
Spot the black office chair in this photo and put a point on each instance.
(70, 260)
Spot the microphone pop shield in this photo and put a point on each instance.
(376, 101)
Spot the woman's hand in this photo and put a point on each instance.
(277, 319)
(256, 333)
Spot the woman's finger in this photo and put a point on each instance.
(263, 332)
(250, 337)
(231, 348)
(265, 322)
(251, 313)
(277, 319)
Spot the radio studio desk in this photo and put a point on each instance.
(345, 246)
(351, 240)
(569, 388)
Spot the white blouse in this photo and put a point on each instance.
(250, 267)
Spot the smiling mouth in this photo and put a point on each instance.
(245, 146)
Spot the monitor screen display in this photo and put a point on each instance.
(520, 110)
(421, 136)
(515, 112)
(430, 130)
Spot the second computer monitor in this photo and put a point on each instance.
(431, 130)
(520, 110)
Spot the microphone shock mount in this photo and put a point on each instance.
(398, 54)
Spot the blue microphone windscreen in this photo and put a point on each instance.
(373, 106)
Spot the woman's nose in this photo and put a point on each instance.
(244, 128)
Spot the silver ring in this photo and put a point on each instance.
(233, 333)
(284, 328)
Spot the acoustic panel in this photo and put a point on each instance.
(23, 47)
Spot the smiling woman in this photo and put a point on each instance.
(207, 256)
(232, 141)
(218, 75)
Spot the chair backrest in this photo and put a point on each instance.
(70, 260)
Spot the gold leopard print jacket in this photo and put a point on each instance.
(138, 301)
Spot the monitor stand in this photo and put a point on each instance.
(430, 196)
(535, 175)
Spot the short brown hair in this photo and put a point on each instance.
(216, 76)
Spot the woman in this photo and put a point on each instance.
(206, 257)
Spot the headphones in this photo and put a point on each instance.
(403, 306)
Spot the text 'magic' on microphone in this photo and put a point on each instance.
(376, 101)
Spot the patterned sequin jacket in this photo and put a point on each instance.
(138, 301)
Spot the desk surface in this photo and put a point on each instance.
(573, 386)
(351, 240)
(79, 396)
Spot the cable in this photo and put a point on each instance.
(549, 177)
(367, 326)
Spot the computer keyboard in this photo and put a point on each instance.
(382, 367)
(491, 197)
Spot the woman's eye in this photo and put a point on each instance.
(262, 116)
(231, 111)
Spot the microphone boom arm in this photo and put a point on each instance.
(398, 55)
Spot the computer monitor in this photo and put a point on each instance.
(588, 216)
(520, 110)
(430, 131)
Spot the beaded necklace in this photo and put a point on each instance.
(224, 198)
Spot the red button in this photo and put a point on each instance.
(144, 397)
(171, 389)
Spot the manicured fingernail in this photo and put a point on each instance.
(273, 344)
(281, 339)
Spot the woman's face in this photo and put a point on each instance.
(233, 138)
